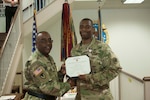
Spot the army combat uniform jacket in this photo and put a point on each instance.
(104, 68)
(42, 78)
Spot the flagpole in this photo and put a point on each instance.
(66, 1)
(34, 30)
(99, 21)
(35, 4)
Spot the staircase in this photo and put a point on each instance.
(11, 58)
(2, 39)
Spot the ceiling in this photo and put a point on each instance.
(108, 4)
(93, 4)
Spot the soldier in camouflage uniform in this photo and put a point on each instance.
(104, 65)
(41, 73)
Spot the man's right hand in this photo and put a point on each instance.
(63, 69)
(71, 82)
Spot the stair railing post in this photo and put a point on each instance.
(146, 88)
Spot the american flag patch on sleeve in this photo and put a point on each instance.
(38, 71)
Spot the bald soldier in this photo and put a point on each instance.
(41, 73)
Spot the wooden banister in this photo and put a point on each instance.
(146, 78)
(8, 34)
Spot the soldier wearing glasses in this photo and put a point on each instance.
(41, 72)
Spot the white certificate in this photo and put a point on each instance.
(78, 65)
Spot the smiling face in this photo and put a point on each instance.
(86, 29)
(44, 43)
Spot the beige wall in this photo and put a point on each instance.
(129, 36)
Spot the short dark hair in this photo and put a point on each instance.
(87, 19)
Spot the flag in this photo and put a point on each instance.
(68, 37)
(34, 31)
(99, 25)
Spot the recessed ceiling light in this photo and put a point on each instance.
(86, 0)
(132, 1)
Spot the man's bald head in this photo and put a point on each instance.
(44, 42)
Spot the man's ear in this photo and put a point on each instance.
(93, 30)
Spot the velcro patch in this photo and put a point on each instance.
(38, 71)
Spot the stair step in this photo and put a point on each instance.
(1, 43)
(2, 38)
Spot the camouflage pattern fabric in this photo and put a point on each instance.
(104, 68)
(41, 75)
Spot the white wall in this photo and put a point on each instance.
(2, 26)
(2, 18)
(129, 36)
(26, 3)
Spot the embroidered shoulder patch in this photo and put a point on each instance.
(38, 71)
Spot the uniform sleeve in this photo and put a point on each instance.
(46, 83)
(108, 65)
(55, 88)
